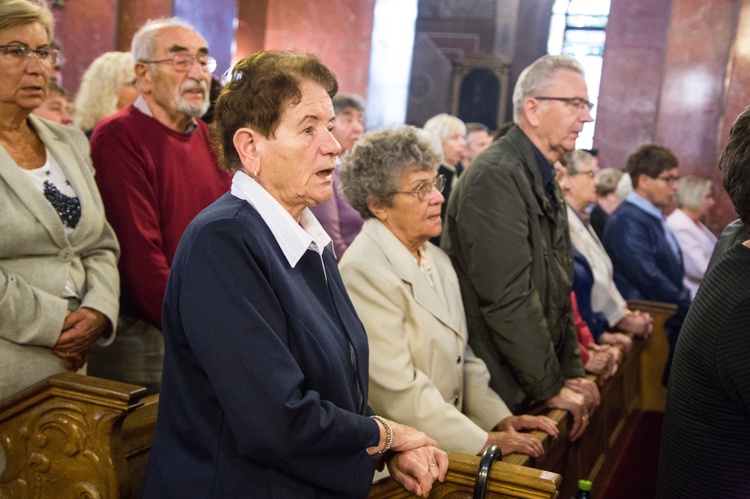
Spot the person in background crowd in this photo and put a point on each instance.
(604, 359)
(59, 286)
(107, 86)
(55, 106)
(338, 218)
(478, 138)
(266, 366)
(448, 132)
(645, 254)
(506, 232)
(422, 371)
(579, 172)
(705, 443)
(694, 199)
(156, 171)
(607, 199)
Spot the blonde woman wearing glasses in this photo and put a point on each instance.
(59, 286)
(405, 291)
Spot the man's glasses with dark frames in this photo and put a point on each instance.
(576, 102)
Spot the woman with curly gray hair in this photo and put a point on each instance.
(406, 293)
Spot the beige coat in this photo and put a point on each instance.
(36, 259)
(422, 371)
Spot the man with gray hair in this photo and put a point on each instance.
(156, 171)
(507, 235)
(338, 218)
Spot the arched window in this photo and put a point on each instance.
(577, 29)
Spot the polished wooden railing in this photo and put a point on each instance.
(79, 436)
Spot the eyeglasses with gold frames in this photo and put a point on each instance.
(424, 190)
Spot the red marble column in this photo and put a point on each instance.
(690, 108)
(251, 27)
(85, 29)
(632, 73)
(736, 99)
(337, 31)
(134, 13)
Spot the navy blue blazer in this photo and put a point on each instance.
(264, 387)
(644, 265)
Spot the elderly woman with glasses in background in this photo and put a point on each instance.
(404, 288)
(59, 286)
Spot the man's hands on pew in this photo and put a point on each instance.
(80, 331)
(506, 434)
(575, 404)
(588, 389)
(417, 469)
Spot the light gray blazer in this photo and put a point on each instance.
(422, 371)
(36, 259)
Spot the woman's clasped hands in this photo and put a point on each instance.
(415, 460)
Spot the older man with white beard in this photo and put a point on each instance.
(156, 171)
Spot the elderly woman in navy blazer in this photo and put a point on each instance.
(265, 381)
(422, 371)
(59, 286)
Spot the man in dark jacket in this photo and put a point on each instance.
(646, 257)
(507, 234)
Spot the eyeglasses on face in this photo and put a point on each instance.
(424, 190)
(669, 179)
(183, 62)
(576, 102)
(589, 174)
(19, 52)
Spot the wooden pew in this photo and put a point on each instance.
(76, 436)
(80, 436)
(92, 437)
(505, 481)
(636, 387)
(655, 354)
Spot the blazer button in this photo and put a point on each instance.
(455, 400)
(65, 255)
(458, 359)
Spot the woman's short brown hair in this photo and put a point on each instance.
(258, 88)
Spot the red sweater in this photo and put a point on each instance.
(153, 181)
(584, 333)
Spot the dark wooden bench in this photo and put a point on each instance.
(73, 435)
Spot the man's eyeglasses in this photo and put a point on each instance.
(670, 179)
(424, 190)
(19, 52)
(183, 62)
(589, 174)
(576, 102)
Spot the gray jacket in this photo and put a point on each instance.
(511, 250)
(36, 259)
